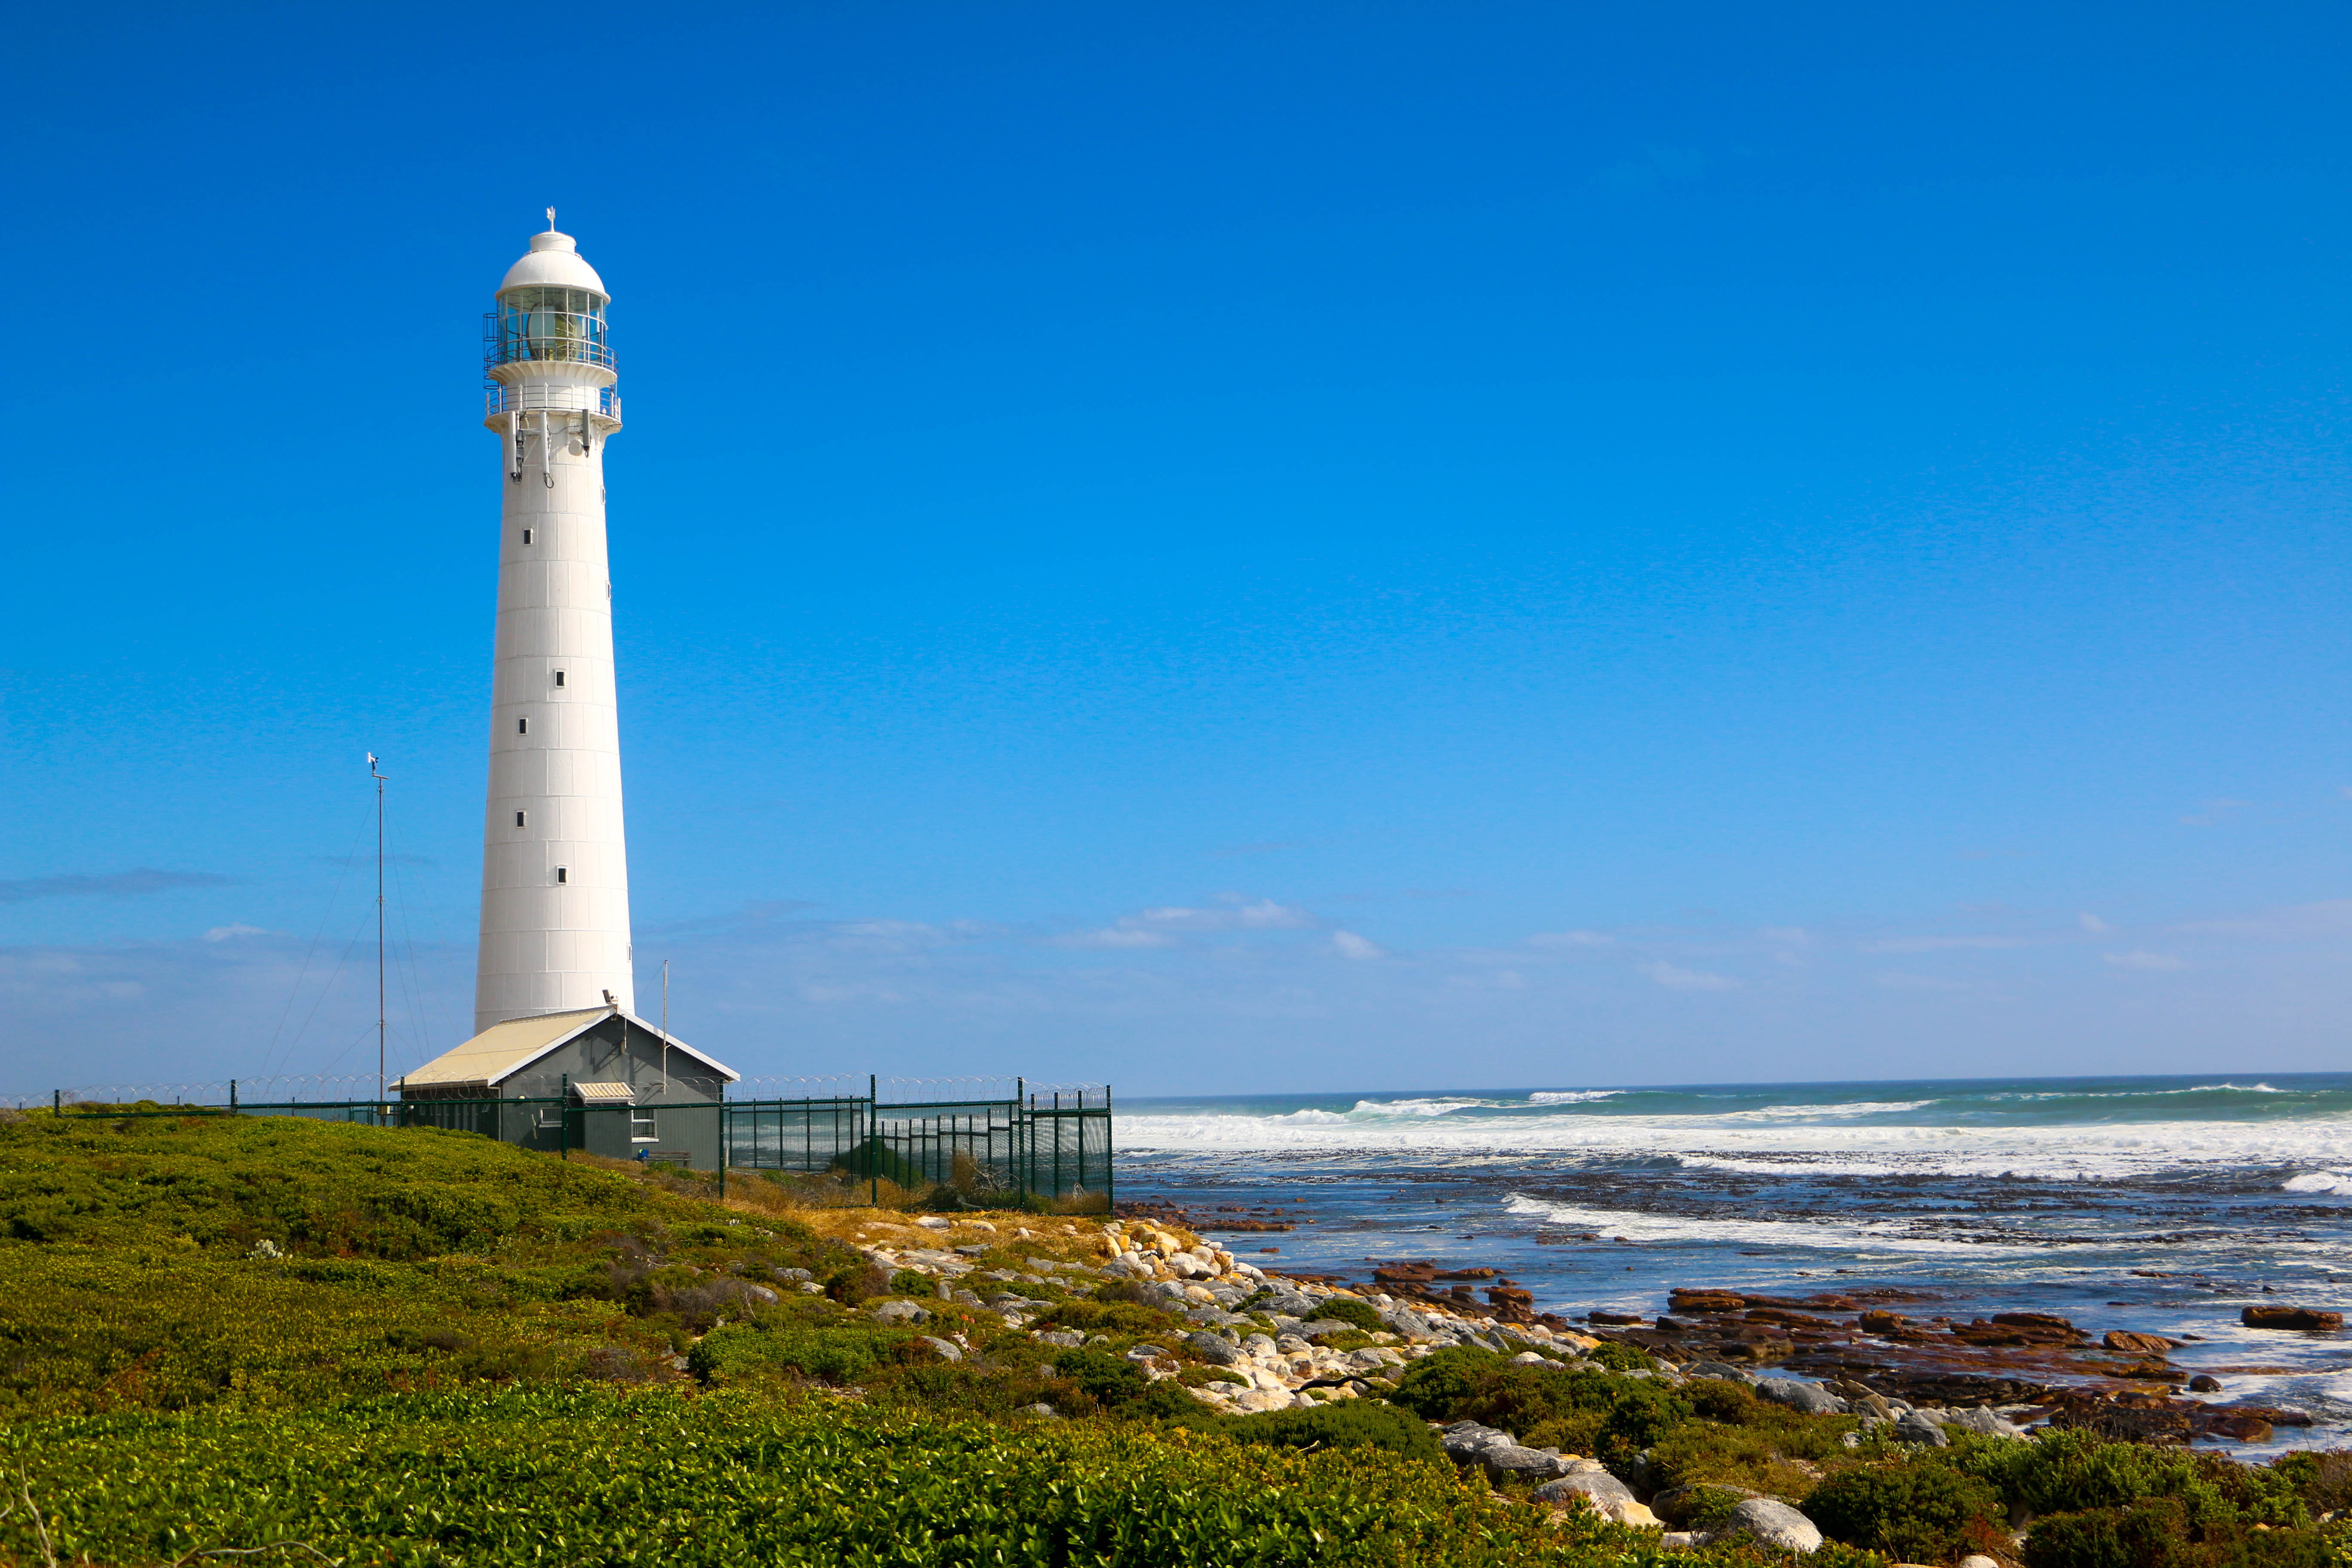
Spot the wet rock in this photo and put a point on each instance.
(2290, 1317)
(1880, 1321)
(1770, 1523)
(2236, 1426)
(2131, 1344)
(2204, 1383)
(1619, 1318)
(2032, 1320)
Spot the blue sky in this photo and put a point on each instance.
(1218, 548)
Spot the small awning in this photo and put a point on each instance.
(602, 1093)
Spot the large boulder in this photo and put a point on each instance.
(947, 1349)
(1503, 1459)
(1596, 1489)
(1919, 1432)
(1211, 1348)
(901, 1313)
(2290, 1317)
(1769, 1523)
(2131, 1344)
(1809, 1397)
(1983, 1423)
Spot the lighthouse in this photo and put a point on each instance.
(555, 871)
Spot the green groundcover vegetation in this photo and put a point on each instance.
(310, 1340)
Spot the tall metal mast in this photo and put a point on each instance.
(379, 928)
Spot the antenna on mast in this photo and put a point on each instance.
(380, 1014)
(551, 220)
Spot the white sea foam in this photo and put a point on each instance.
(1829, 1234)
(2319, 1182)
(1835, 1137)
(1571, 1096)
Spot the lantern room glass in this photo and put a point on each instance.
(547, 324)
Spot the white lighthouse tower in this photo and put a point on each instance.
(555, 873)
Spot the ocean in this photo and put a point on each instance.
(2163, 1204)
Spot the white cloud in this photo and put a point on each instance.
(1115, 936)
(224, 933)
(1264, 914)
(1568, 939)
(1348, 944)
(2162, 961)
(1678, 979)
(2093, 923)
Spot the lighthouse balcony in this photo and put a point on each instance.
(561, 397)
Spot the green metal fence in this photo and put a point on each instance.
(1050, 1146)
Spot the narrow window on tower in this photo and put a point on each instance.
(559, 678)
(523, 726)
(563, 873)
(526, 536)
(522, 819)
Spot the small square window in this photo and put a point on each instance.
(559, 678)
(526, 535)
(563, 873)
(641, 1123)
(551, 1117)
(523, 726)
(522, 819)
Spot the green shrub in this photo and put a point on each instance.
(514, 1479)
(1122, 1318)
(1622, 1358)
(841, 1354)
(912, 1282)
(1342, 1423)
(1348, 1310)
(1104, 1378)
(2161, 1532)
(1586, 1412)
(1919, 1512)
(2072, 1471)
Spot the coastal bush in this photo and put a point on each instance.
(1622, 1358)
(2161, 1533)
(1584, 1411)
(912, 1282)
(1738, 1440)
(2074, 1471)
(1347, 1310)
(1916, 1512)
(1104, 1378)
(729, 1480)
(1118, 1318)
(842, 1354)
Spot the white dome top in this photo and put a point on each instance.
(554, 262)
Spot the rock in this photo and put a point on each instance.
(1679, 1541)
(1514, 1459)
(2131, 1344)
(1042, 1409)
(763, 1295)
(1916, 1429)
(1067, 1339)
(1316, 1326)
(947, 1348)
(1719, 1369)
(2204, 1383)
(1974, 1560)
(1809, 1397)
(1881, 1322)
(2032, 1320)
(2237, 1428)
(1212, 1349)
(901, 1313)
(933, 1222)
(2290, 1317)
(1983, 1423)
(1145, 1353)
(1623, 1319)
(790, 1274)
(811, 1288)
(1598, 1489)
(1598, 1492)
(1770, 1523)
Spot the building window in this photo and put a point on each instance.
(526, 536)
(641, 1123)
(551, 1117)
(522, 819)
(563, 873)
(559, 678)
(523, 726)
